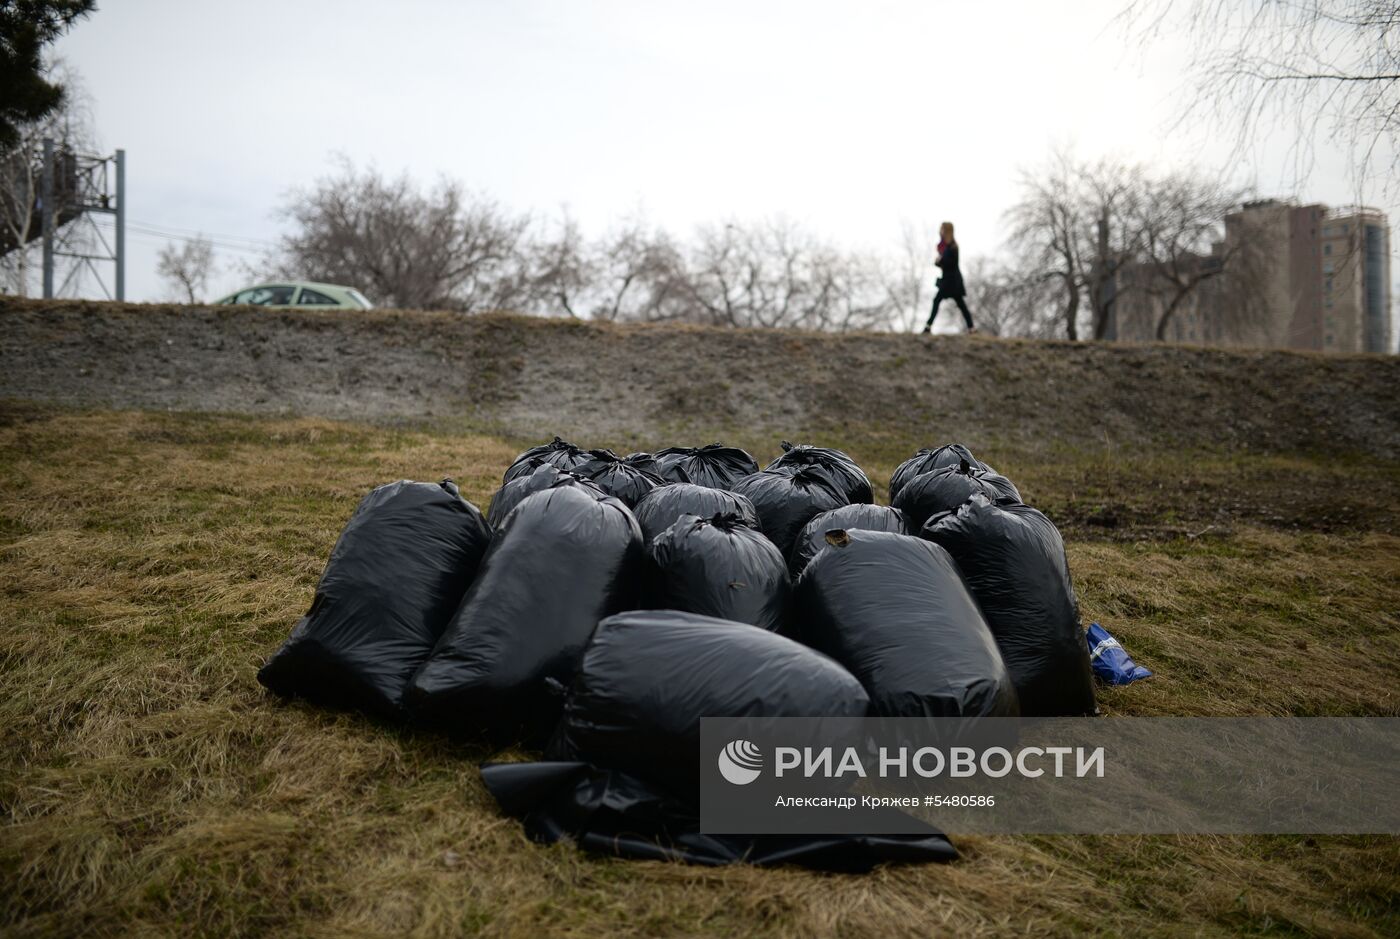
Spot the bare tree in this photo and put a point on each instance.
(631, 272)
(1072, 228)
(444, 248)
(739, 279)
(774, 274)
(1110, 196)
(1177, 221)
(1327, 68)
(640, 274)
(21, 173)
(755, 276)
(906, 277)
(187, 269)
(483, 254)
(1006, 302)
(861, 302)
(406, 247)
(1047, 229)
(1102, 231)
(560, 269)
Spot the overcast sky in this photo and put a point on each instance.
(847, 117)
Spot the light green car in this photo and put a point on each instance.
(296, 293)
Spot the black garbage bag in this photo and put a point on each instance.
(644, 461)
(563, 560)
(718, 566)
(787, 500)
(557, 453)
(1013, 560)
(930, 460)
(895, 611)
(941, 490)
(618, 814)
(544, 477)
(716, 465)
(650, 675)
(862, 516)
(627, 479)
(659, 510)
(395, 576)
(849, 478)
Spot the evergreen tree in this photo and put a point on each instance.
(26, 26)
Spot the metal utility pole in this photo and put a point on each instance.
(46, 190)
(120, 253)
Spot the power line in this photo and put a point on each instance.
(166, 236)
(162, 240)
(149, 233)
(176, 231)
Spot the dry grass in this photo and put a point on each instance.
(149, 562)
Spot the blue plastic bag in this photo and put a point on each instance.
(1110, 660)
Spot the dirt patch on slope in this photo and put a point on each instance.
(527, 376)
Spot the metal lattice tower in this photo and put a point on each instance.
(75, 187)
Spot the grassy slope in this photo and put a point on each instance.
(530, 376)
(148, 563)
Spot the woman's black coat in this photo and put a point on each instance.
(951, 283)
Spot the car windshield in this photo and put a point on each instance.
(359, 298)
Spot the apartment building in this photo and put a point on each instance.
(1290, 276)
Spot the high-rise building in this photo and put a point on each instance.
(1356, 312)
(1290, 276)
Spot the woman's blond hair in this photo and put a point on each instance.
(947, 227)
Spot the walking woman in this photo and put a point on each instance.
(950, 285)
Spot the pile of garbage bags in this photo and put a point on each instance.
(606, 604)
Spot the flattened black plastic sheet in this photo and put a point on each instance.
(629, 479)
(721, 567)
(659, 510)
(558, 453)
(563, 560)
(715, 465)
(544, 477)
(614, 813)
(1013, 560)
(930, 460)
(787, 500)
(650, 675)
(862, 516)
(895, 611)
(942, 490)
(849, 479)
(393, 580)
